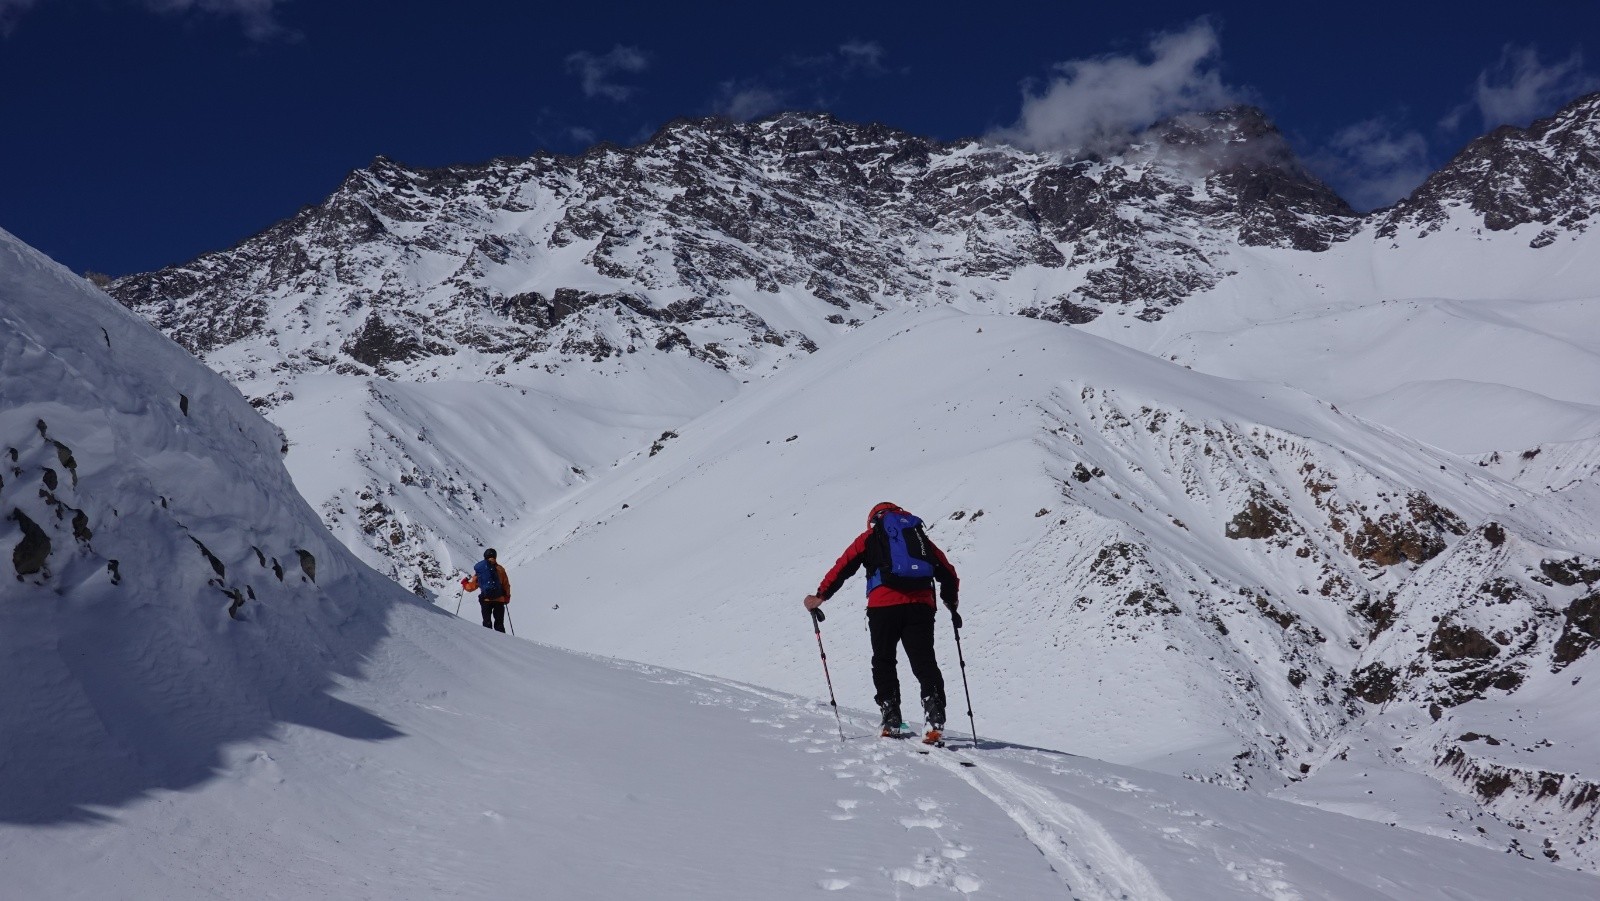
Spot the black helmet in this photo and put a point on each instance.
(489, 554)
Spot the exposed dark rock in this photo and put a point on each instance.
(308, 564)
(68, 462)
(1263, 516)
(1378, 611)
(1374, 683)
(1064, 310)
(1503, 591)
(660, 443)
(1495, 534)
(1453, 642)
(30, 554)
(1417, 537)
(1273, 612)
(1547, 173)
(1581, 630)
(236, 601)
(380, 341)
(1571, 571)
(216, 565)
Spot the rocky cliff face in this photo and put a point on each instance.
(653, 247)
(1547, 173)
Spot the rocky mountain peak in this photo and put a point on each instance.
(1547, 173)
(853, 217)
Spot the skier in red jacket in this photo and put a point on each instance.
(900, 610)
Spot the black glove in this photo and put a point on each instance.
(955, 618)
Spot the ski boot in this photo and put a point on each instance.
(893, 727)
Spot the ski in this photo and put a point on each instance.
(924, 747)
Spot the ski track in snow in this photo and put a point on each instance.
(1086, 856)
(1092, 865)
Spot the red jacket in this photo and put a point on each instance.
(863, 552)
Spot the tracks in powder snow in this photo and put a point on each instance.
(1079, 850)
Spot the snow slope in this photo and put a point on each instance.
(512, 776)
(1159, 567)
(1471, 344)
(205, 696)
(168, 590)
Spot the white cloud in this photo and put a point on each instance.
(743, 102)
(862, 55)
(596, 71)
(1101, 101)
(1521, 88)
(10, 12)
(1373, 163)
(255, 15)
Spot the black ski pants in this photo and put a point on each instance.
(494, 615)
(912, 626)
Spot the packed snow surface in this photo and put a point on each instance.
(517, 770)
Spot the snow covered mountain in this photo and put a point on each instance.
(639, 287)
(670, 380)
(206, 697)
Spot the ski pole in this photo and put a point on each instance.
(510, 625)
(816, 624)
(458, 603)
(964, 687)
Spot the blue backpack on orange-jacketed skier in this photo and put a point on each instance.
(901, 564)
(489, 579)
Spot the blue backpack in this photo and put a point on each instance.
(909, 555)
(488, 579)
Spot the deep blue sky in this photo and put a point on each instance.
(139, 133)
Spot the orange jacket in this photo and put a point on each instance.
(470, 583)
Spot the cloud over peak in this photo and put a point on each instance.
(1521, 87)
(597, 71)
(1100, 102)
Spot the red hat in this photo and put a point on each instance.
(880, 509)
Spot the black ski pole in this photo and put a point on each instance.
(509, 624)
(964, 687)
(816, 624)
(458, 603)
